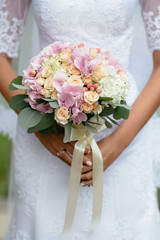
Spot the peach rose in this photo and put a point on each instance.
(93, 52)
(91, 97)
(49, 83)
(54, 95)
(65, 56)
(74, 79)
(66, 66)
(73, 70)
(87, 108)
(87, 80)
(97, 74)
(62, 115)
(47, 72)
(40, 81)
(46, 93)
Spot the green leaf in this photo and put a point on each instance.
(45, 131)
(107, 111)
(19, 86)
(39, 100)
(93, 122)
(108, 124)
(54, 104)
(121, 112)
(67, 128)
(113, 121)
(29, 118)
(48, 99)
(47, 120)
(105, 98)
(18, 81)
(17, 102)
(124, 106)
(90, 128)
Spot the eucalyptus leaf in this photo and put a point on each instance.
(46, 131)
(107, 111)
(39, 100)
(54, 104)
(17, 102)
(124, 106)
(90, 128)
(29, 118)
(93, 122)
(105, 98)
(17, 86)
(48, 99)
(108, 124)
(67, 128)
(121, 112)
(113, 121)
(47, 120)
(17, 81)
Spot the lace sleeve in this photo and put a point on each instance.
(12, 18)
(151, 16)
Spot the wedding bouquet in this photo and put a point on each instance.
(83, 90)
(68, 84)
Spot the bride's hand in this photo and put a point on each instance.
(54, 143)
(110, 148)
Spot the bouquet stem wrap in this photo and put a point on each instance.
(85, 138)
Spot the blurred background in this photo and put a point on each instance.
(8, 118)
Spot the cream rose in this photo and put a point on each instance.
(49, 83)
(91, 97)
(87, 80)
(62, 115)
(40, 81)
(46, 93)
(74, 79)
(73, 70)
(47, 72)
(54, 95)
(65, 56)
(97, 74)
(87, 108)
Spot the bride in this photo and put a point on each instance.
(130, 207)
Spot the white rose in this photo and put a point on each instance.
(62, 115)
(91, 97)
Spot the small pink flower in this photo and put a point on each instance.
(78, 116)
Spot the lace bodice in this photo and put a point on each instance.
(93, 22)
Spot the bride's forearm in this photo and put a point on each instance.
(143, 108)
(7, 74)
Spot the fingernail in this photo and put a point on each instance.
(82, 184)
(89, 163)
(82, 166)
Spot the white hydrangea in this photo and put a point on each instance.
(114, 85)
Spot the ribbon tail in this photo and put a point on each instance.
(97, 185)
(74, 184)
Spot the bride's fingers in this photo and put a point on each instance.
(86, 183)
(87, 176)
(87, 150)
(64, 156)
(86, 168)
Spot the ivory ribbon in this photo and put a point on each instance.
(85, 138)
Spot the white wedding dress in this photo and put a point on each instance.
(130, 207)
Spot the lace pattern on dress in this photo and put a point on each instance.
(152, 24)
(11, 32)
